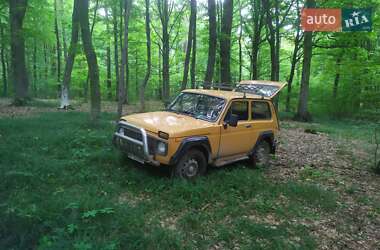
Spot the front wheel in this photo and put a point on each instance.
(261, 155)
(191, 165)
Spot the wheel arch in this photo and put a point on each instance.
(267, 136)
(200, 143)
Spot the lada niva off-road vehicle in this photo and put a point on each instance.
(204, 127)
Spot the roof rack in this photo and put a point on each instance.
(216, 86)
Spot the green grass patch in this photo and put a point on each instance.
(63, 186)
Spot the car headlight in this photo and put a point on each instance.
(162, 148)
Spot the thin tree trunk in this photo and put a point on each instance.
(337, 76)
(189, 45)
(165, 49)
(271, 38)
(3, 62)
(60, 8)
(303, 112)
(92, 62)
(160, 84)
(58, 45)
(124, 60)
(295, 59)
(136, 71)
(291, 75)
(46, 60)
(148, 56)
(278, 42)
(219, 10)
(17, 9)
(194, 47)
(212, 42)
(225, 42)
(116, 50)
(108, 60)
(35, 67)
(65, 103)
(91, 32)
(239, 40)
(258, 17)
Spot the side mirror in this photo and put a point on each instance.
(233, 121)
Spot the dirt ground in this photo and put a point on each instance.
(340, 165)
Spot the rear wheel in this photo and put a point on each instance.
(261, 156)
(191, 165)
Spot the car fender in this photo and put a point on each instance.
(201, 142)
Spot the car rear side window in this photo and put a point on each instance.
(261, 111)
(239, 108)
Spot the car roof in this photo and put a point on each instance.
(228, 95)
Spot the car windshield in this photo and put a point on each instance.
(198, 106)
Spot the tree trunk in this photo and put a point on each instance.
(17, 9)
(60, 8)
(35, 67)
(303, 113)
(148, 56)
(3, 62)
(337, 76)
(291, 75)
(91, 32)
(189, 44)
(295, 59)
(108, 60)
(124, 61)
(58, 44)
(160, 84)
(258, 17)
(136, 71)
(116, 50)
(219, 31)
(92, 62)
(277, 43)
(225, 42)
(212, 42)
(194, 47)
(65, 103)
(165, 49)
(271, 38)
(239, 41)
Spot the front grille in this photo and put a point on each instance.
(130, 132)
(133, 150)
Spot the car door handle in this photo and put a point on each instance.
(248, 126)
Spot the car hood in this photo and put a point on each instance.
(176, 125)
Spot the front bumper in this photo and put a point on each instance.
(133, 141)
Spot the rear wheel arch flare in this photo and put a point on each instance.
(267, 136)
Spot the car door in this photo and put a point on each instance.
(262, 118)
(236, 140)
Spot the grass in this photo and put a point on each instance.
(63, 187)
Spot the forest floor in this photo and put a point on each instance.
(64, 186)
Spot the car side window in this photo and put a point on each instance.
(261, 111)
(239, 108)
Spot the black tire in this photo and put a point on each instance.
(192, 164)
(261, 155)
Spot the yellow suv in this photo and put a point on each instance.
(203, 127)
